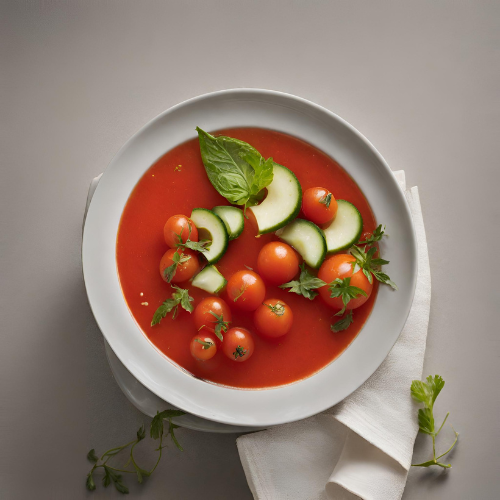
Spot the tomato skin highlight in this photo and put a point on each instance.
(238, 339)
(179, 225)
(246, 290)
(340, 266)
(316, 211)
(273, 324)
(184, 271)
(277, 263)
(197, 350)
(202, 316)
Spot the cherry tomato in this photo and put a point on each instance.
(319, 205)
(238, 344)
(183, 270)
(203, 346)
(340, 266)
(246, 289)
(277, 263)
(203, 313)
(273, 318)
(179, 225)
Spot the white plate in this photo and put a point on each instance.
(323, 129)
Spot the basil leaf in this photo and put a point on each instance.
(235, 169)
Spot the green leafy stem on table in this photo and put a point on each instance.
(426, 393)
(113, 474)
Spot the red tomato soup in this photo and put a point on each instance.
(176, 184)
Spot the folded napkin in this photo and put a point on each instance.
(362, 447)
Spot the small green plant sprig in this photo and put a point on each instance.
(426, 393)
(113, 474)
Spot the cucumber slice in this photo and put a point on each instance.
(211, 227)
(210, 280)
(283, 201)
(345, 230)
(232, 218)
(307, 238)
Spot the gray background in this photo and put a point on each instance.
(419, 79)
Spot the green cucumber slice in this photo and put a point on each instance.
(282, 203)
(307, 238)
(210, 280)
(211, 227)
(346, 228)
(232, 218)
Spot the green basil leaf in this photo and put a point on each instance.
(235, 169)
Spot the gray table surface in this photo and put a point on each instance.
(77, 79)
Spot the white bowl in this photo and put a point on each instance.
(326, 131)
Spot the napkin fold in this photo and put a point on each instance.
(362, 447)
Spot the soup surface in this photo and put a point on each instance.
(176, 184)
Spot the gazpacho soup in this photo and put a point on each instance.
(249, 258)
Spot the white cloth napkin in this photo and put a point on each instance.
(362, 447)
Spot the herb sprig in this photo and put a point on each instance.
(370, 265)
(305, 285)
(220, 325)
(342, 324)
(179, 298)
(426, 393)
(198, 246)
(112, 474)
(342, 288)
(377, 235)
(235, 168)
(177, 259)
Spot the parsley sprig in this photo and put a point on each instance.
(179, 298)
(426, 393)
(342, 324)
(375, 236)
(112, 474)
(198, 246)
(370, 265)
(305, 285)
(177, 258)
(220, 325)
(342, 288)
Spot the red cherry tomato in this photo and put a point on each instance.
(273, 318)
(203, 313)
(179, 225)
(238, 344)
(203, 346)
(183, 270)
(246, 290)
(319, 205)
(277, 263)
(340, 266)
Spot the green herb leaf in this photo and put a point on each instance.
(198, 246)
(177, 259)
(343, 289)
(369, 265)
(375, 236)
(326, 200)
(172, 435)
(156, 429)
(90, 482)
(180, 297)
(220, 325)
(426, 393)
(235, 169)
(183, 298)
(342, 324)
(92, 457)
(206, 345)
(141, 433)
(305, 285)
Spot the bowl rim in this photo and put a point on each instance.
(142, 373)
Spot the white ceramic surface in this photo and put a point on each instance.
(323, 129)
